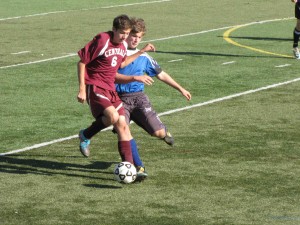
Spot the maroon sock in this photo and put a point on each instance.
(125, 151)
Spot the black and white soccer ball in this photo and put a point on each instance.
(125, 172)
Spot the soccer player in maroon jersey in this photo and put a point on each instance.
(99, 62)
(296, 32)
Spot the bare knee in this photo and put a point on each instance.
(111, 118)
(122, 129)
(159, 133)
(115, 117)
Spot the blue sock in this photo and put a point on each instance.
(135, 154)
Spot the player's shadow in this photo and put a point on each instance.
(16, 165)
(102, 186)
(234, 55)
(262, 38)
(219, 54)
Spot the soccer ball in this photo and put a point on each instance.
(125, 172)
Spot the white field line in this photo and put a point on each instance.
(231, 96)
(175, 60)
(139, 3)
(18, 53)
(65, 11)
(285, 65)
(226, 63)
(38, 61)
(161, 114)
(153, 40)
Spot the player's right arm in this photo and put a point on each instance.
(87, 54)
(125, 79)
(81, 97)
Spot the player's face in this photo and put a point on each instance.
(120, 35)
(133, 40)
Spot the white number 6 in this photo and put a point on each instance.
(114, 61)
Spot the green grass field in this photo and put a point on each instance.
(237, 147)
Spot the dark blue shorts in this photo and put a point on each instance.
(139, 109)
(297, 10)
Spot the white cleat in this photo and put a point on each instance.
(296, 53)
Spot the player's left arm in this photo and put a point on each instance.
(129, 59)
(166, 78)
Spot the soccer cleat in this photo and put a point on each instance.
(296, 53)
(169, 139)
(84, 144)
(141, 174)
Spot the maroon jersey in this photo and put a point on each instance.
(102, 59)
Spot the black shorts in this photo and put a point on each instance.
(297, 10)
(139, 109)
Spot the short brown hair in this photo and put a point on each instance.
(138, 25)
(122, 22)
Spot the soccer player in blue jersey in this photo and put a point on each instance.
(296, 33)
(136, 103)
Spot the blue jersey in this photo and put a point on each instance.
(144, 64)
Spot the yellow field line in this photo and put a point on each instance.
(227, 38)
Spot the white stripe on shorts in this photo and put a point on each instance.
(102, 96)
(119, 106)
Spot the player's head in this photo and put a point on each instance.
(122, 26)
(138, 26)
(137, 32)
(122, 22)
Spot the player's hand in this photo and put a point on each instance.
(295, 1)
(148, 48)
(144, 79)
(81, 97)
(186, 94)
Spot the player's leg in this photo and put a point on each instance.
(128, 104)
(141, 173)
(154, 123)
(165, 135)
(145, 116)
(137, 162)
(104, 113)
(109, 116)
(296, 33)
(123, 139)
(136, 156)
(296, 36)
(122, 129)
